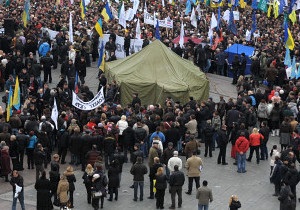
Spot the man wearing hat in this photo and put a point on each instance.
(154, 152)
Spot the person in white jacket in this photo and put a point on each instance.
(274, 152)
(122, 124)
(175, 160)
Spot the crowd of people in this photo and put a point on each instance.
(102, 140)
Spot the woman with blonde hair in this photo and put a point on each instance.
(160, 185)
(255, 141)
(87, 180)
(122, 125)
(62, 191)
(234, 203)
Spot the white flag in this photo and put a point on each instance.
(122, 17)
(138, 30)
(54, 113)
(71, 29)
(213, 21)
(163, 3)
(136, 4)
(181, 39)
(145, 7)
(248, 35)
(193, 18)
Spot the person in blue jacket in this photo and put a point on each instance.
(44, 48)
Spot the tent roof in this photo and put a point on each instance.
(156, 63)
(239, 49)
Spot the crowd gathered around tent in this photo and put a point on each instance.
(162, 136)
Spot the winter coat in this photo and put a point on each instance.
(92, 156)
(235, 205)
(292, 177)
(167, 154)
(273, 155)
(293, 107)
(122, 125)
(87, 179)
(161, 182)
(190, 147)
(100, 183)
(285, 133)
(75, 144)
(113, 176)
(191, 126)
(255, 139)
(5, 163)
(153, 170)
(174, 161)
(54, 177)
(153, 152)
(242, 144)
(192, 166)
(204, 195)
(276, 174)
(62, 191)
(43, 188)
(262, 110)
(71, 179)
(138, 170)
(109, 145)
(285, 198)
(275, 114)
(177, 178)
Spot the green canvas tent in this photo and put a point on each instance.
(155, 73)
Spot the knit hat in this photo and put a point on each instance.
(175, 153)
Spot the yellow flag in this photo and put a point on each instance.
(276, 9)
(9, 104)
(269, 11)
(290, 41)
(24, 18)
(293, 17)
(16, 98)
(243, 4)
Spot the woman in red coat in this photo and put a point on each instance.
(5, 163)
(255, 139)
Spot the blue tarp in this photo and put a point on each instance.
(238, 49)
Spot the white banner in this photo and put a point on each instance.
(89, 105)
(135, 45)
(149, 19)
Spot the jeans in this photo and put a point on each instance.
(241, 162)
(197, 180)
(263, 151)
(21, 200)
(179, 145)
(220, 70)
(135, 185)
(202, 207)
(215, 139)
(208, 65)
(144, 148)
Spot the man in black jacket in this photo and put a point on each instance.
(138, 170)
(223, 141)
(47, 63)
(176, 182)
(39, 159)
(22, 140)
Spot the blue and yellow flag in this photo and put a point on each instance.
(101, 61)
(106, 13)
(293, 17)
(16, 98)
(276, 9)
(98, 27)
(288, 38)
(269, 10)
(9, 104)
(82, 8)
(25, 14)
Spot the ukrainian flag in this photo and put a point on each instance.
(289, 41)
(106, 13)
(9, 104)
(82, 8)
(98, 27)
(16, 99)
(25, 14)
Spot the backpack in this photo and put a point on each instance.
(46, 126)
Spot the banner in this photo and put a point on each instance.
(89, 105)
(149, 19)
(135, 45)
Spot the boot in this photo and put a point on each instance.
(277, 132)
(273, 133)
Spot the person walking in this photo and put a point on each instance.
(138, 170)
(17, 180)
(160, 185)
(242, 146)
(274, 152)
(176, 181)
(204, 196)
(43, 187)
(255, 139)
(193, 165)
(234, 203)
(62, 191)
(87, 181)
(69, 173)
(223, 141)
